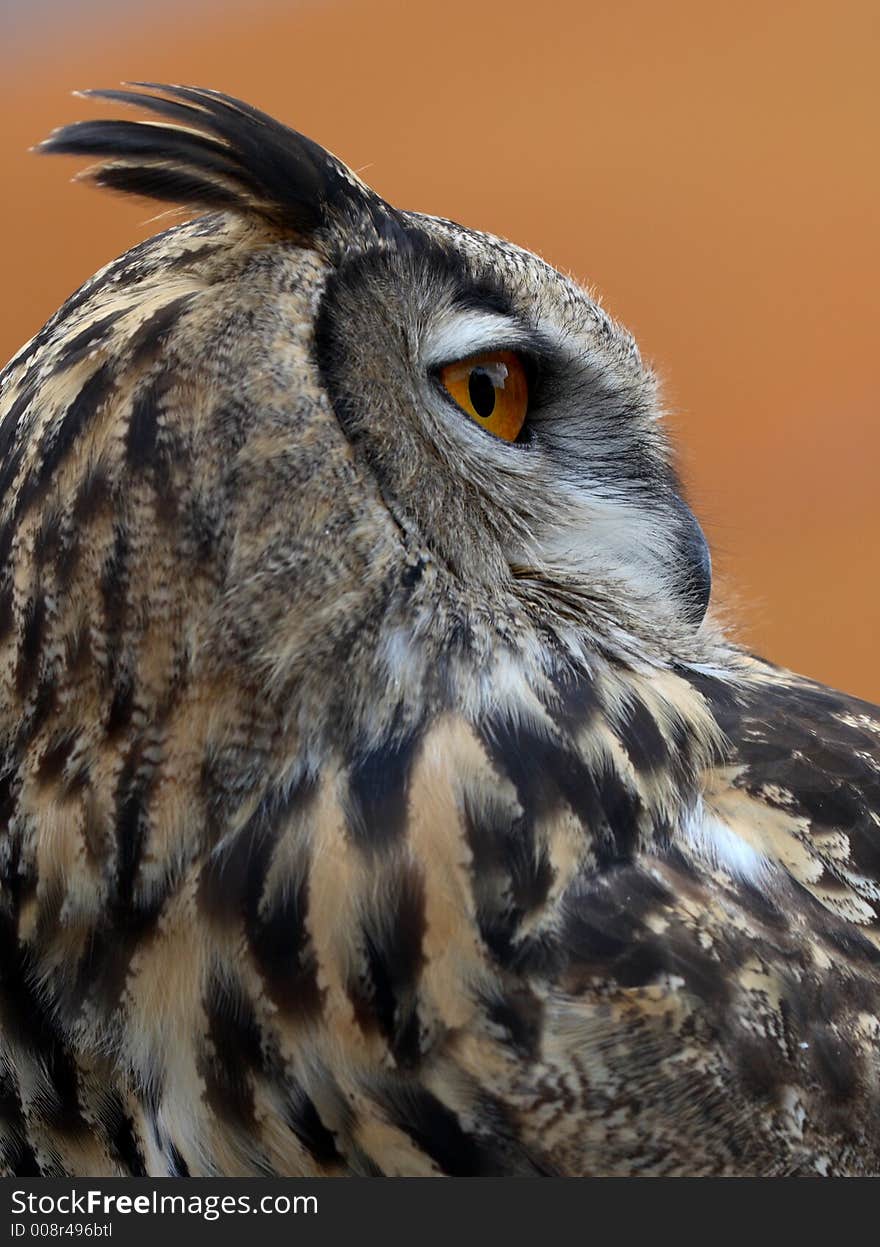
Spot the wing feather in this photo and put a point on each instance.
(801, 783)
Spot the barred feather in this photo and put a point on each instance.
(344, 829)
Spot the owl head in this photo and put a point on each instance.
(391, 432)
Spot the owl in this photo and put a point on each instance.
(378, 797)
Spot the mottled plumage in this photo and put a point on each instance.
(376, 798)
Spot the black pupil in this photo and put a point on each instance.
(482, 393)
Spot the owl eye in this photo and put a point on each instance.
(492, 389)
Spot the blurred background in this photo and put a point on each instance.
(711, 169)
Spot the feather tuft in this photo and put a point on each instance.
(212, 151)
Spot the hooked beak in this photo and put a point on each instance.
(696, 565)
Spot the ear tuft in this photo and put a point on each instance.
(219, 153)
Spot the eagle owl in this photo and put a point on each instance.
(377, 798)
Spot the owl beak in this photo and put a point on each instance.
(696, 565)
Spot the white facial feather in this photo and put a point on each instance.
(456, 335)
(595, 536)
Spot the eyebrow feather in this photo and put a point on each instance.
(462, 333)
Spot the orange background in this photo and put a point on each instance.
(711, 167)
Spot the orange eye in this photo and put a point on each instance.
(492, 389)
